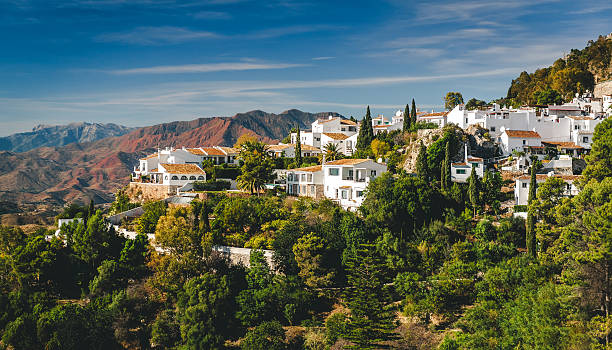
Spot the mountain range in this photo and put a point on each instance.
(95, 170)
(60, 135)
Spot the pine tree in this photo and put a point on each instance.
(422, 167)
(413, 114)
(407, 125)
(371, 321)
(473, 190)
(445, 175)
(369, 128)
(298, 149)
(531, 238)
(91, 210)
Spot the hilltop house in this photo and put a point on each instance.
(288, 150)
(461, 171)
(306, 182)
(521, 188)
(339, 131)
(345, 180)
(438, 118)
(519, 140)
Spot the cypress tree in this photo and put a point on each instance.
(407, 125)
(445, 175)
(371, 320)
(413, 114)
(530, 238)
(422, 167)
(473, 189)
(298, 149)
(366, 133)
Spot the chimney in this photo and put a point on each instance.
(466, 153)
(330, 117)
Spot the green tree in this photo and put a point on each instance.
(548, 97)
(413, 114)
(147, 222)
(366, 133)
(475, 104)
(379, 148)
(312, 259)
(452, 99)
(298, 149)
(207, 311)
(266, 336)
(599, 160)
(371, 320)
(474, 190)
(445, 176)
(531, 234)
(406, 126)
(331, 152)
(257, 168)
(422, 166)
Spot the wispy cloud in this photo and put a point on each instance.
(323, 58)
(206, 68)
(290, 30)
(212, 15)
(466, 10)
(156, 35)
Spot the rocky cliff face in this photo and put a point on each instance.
(603, 88)
(94, 170)
(60, 135)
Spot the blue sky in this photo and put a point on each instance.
(144, 62)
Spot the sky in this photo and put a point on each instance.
(145, 62)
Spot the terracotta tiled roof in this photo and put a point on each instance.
(326, 120)
(229, 150)
(310, 148)
(567, 145)
(475, 159)
(211, 151)
(149, 156)
(310, 169)
(459, 164)
(182, 169)
(382, 126)
(336, 135)
(347, 122)
(579, 117)
(522, 133)
(274, 148)
(543, 177)
(433, 115)
(196, 151)
(346, 161)
(345, 187)
(154, 170)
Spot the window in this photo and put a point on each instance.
(290, 177)
(492, 128)
(524, 142)
(466, 120)
(585, 139)
(576, 127)
(167, 177)
(359, 194)
(200, 177)
(460, 171)
(336, 193)
(344, 195)
(309, 177)
(373, 173)
(524, 185)
(183, 177)
(475, 165)
(303, 178)
(334, 171)
(174, 177)
(192, 177)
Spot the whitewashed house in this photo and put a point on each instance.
(345, 180)
(346, 145)
(307, 182)
(216, 154)
(331, 125)
(521, 188)
(461, 171)
(177, 174)
(438, 118)
(288, 150)
(519, 140)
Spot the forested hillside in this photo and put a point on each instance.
(579, 71)
(424, 264)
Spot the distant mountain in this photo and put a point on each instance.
(94, 170)
(60, 135)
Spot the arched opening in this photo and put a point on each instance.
(174, 177)
(183, 177)
(192, 177)
(200, 177)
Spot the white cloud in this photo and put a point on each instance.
(156, 36)
(206, 68)
(323, 58)
(212, 15)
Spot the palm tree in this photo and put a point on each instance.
(331, 151)
(257, 167)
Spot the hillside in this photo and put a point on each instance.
(578, 71)
(80, 171)
(60, 135)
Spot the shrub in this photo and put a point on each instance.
(216, 185)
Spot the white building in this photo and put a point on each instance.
(345, 180)
(307, 182)
(519, 140)
(345, 144)
(288, 150)
(460, 172)
(439, 118)
(381, 124)
(521, 188)
(331, 125)
(216, 154)
(607, 104)
(177, 174)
